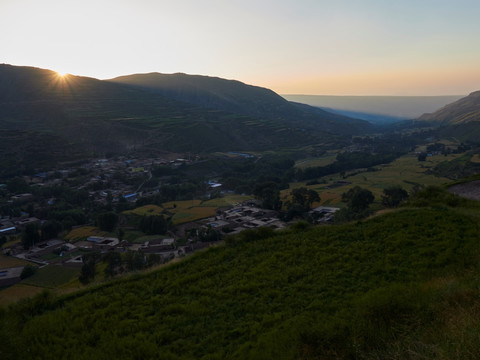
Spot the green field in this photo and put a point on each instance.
(406, 171)
(82, 232)
(18, 291)
(323, 160)
(52, 276)
(9, 261)
(145, 210)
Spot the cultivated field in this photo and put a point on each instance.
(323, 160)
(81, 233)
(52, 276)
(406, 171)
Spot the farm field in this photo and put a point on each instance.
(475, 158)
(323, 160)
(18, 291)
(146, 210)
(192, 210)
(9, 261)
(52, 276)
(406, 172)
(81, 233)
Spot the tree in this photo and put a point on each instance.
(50, 229)
(30, 235)
(114, 261)
(17, 185)
(107, 221)
(269, 193)
(302, 200)
(3, 240)
(120, 234)
(358, 201)
(135, 260)
(422, 156)
(88, 269)
(154, 225)
(304, 197)
(393, 196)
(358, 198)
(28, 271)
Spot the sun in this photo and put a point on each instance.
(61, 74)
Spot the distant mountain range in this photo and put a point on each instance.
(181, 113)
(377, 109)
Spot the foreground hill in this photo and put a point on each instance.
(239, 98)
(402, 285)
(80, 116)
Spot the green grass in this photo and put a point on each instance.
(323, 160)
(145, 210)
(52, 276)
(18, 291)
(228, 200)
(9, 261)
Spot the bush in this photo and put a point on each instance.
(28, 271)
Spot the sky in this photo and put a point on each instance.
(324, 47)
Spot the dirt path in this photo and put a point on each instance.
(469, 190)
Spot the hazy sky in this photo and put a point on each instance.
(331, 47)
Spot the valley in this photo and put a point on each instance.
(199, 217)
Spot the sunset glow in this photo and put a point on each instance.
(350, 47)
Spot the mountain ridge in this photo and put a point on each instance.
(97, 117)
(237, 97)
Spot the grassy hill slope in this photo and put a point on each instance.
(460, 119)
(401, 285)
(462, 111)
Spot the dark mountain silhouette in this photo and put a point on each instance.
(237, 97)
(81, 115)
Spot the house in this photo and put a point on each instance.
(22, 198)
(29, 220)
(324, 213)
(103, 242)
(158, 245)
(131, 197)
(10, 276)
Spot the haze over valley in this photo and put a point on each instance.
(381, 109)
(160, 200)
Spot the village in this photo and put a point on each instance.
(110, 183)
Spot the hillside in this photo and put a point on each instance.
(462, 111)
(401, 285)
(85, 116)
(460, 119)
(239, 98)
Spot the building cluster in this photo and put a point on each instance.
(244, 216)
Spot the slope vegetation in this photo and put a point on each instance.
(401, 285)
(462, 111)
(460, 119)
